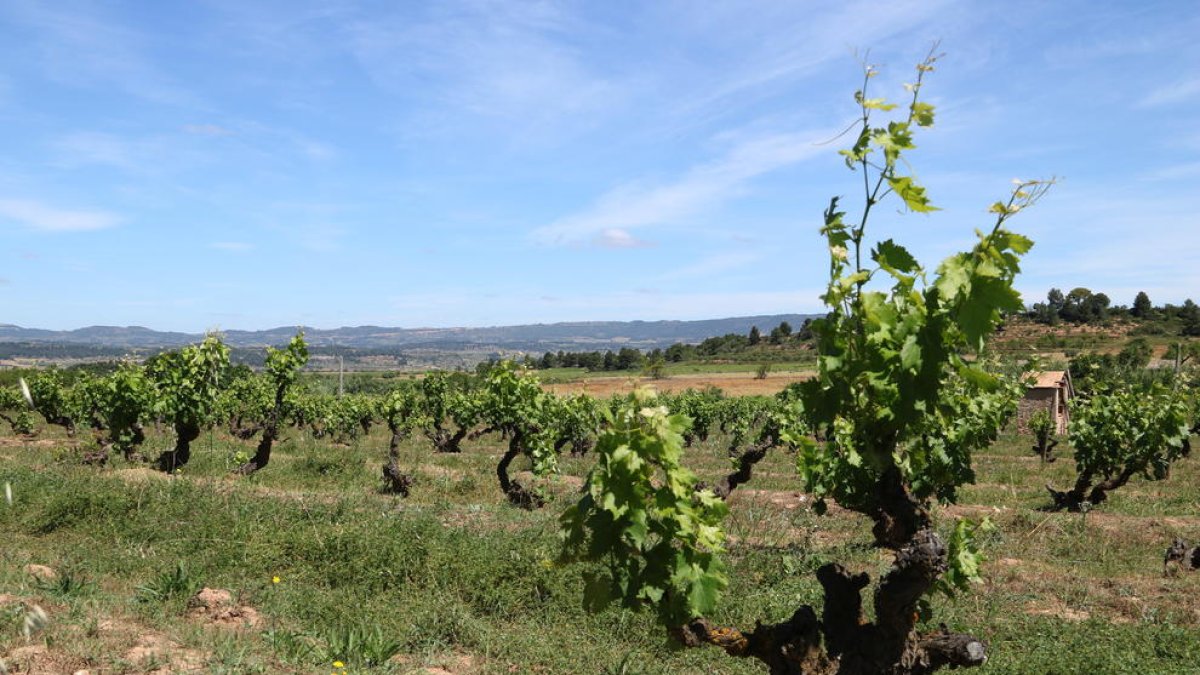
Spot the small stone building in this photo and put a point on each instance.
(1050, 392)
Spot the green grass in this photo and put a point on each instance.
(454, 577)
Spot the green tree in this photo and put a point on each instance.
(755, 336)
(1055, 301)
(1083, 306)
(1142, 307)
(1189, 315)
(628, 358)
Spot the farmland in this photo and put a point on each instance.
(453, 579)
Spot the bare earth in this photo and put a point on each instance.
(733, 384)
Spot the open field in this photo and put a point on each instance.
(732, 383)
(454, 580)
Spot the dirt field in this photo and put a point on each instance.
(733, 384)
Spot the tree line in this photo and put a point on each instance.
(629, 358)
(1082, 306)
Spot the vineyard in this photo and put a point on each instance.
(882, 515)
(453, 576)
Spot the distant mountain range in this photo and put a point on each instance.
(574, 336)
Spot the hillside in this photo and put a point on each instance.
(363, 341)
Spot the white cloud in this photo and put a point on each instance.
(700, 188)
(1176, 92)
(38, 216)
(615, 237)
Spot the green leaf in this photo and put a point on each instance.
(877, 104)
(704, 594)
(1011, 241)
(979, 378)
(894, 257)
(913, 195)
(923, 113)
(910, 353)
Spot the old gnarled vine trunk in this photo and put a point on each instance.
(446, 441)
(395, 480)
(843, 642)
(270, 433)
(175, 458)
(517, 494)
(1087, 491)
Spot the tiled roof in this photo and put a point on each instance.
(1050, 379)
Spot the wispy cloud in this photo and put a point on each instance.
(513, 61)
(1182, 171)
(319, 237)
(89, 50)
(615, 237)
(206, 130)
(1124, 245)
(140, 155)
(1176, 92)
(700, 188)
(752, 56)
(83, 148)
(232, 246)
(711, 265)
(315, 150)
(37, 216)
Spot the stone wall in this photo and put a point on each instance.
(1035, 400)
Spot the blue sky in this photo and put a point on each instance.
(239, 164)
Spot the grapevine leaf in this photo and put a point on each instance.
(894, 257)
(913, 194)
